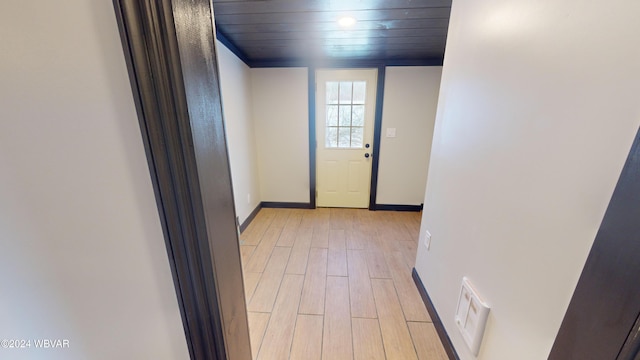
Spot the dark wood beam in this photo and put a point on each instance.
(170, 54)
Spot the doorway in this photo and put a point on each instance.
(345, 113)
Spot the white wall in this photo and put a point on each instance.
(410, 101)
(537, 111)
(82, 252)
(235, 84)
(281, 119)
(278, 107)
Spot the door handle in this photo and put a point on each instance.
(366, 155)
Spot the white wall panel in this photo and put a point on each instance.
(537, 112)
(235, 84)
(281, 118)
(410, 101)
(82, 254)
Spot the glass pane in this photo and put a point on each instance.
(344, 137)
(357, 118)
(359, 91)
(332, 92)
(345, 115)
(332, 115)
(345, 92)
(331, 137)
(356, 137)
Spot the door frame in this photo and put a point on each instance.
(176, 90)
(377, 128)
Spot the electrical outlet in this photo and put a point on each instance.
(249, 199)
(427, 240)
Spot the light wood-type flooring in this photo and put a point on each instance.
(335, 284)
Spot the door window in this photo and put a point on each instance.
(345, 114)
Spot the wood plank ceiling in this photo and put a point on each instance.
(307, 31)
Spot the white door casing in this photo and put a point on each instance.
(345, 112)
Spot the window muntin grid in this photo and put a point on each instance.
(345, 101)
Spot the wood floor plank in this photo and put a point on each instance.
(356, 239)
(367, 340)
(336, 220)
(412, 224)
(307, 339)
(337, 239)
(267, 289)
(315, 281)
(351, 217)
(298, 260)
(257, 325)
(279, 334)
(342, 219)
(409, 250)
(300, 251)
(281, 217)
(245, 252)
(395, 334)
(379, 241)
(385, 241)
(256, 229)
(320, 238)
(426, 341)
(321, 228)
(308, 220)
(250, 282)
(336, 340)
(303, 237)
(288, 235)
(367, 229)
(261, 254)
(337, 265)
(362, 303)
(356, 263)
(412, 305)
(377, 265)
(395, 224)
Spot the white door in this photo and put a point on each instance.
(345, 110)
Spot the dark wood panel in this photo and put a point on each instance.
(606, 301)
(332, 16)
(377, 131)
(286, 205)
(394, 207)
(342, 63)
(439, 32)
(343, 54)
(372, 59)
(376, 52)
(176, 91)
(235, 7)
(329, 45)
(290, 30)
(406, 41)
(195, 32)
(293, 54)
(333, 26)
(311, 121)
(149, 62)
(631, 348)
(319, 53)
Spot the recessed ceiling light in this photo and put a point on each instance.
(346, 21)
